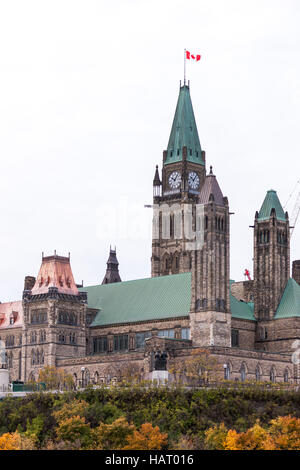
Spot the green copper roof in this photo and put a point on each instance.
(271, 201)
(242, 310)
(141, 300)
(184, 131)
(155, 298)
(290, 301)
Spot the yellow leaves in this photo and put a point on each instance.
(113, 436)
(73, 428)
(147, 438)
(283, 433)
(120, 435)
(74, 408)
(14, 441)
(215, 437)
(56, 379)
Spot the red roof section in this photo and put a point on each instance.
(10, 310)
(55, 271)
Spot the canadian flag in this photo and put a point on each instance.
(192, 56)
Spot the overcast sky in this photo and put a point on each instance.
(87, 97)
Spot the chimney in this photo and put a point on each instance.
(29, 282)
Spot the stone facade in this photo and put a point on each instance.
(54, 325)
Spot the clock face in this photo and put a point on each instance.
(193, 180)
(174, 180)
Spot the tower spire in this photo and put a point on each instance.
(184, 131)
(112, 270)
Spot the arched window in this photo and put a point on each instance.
(258, 373)
(243, 372)
(33, 359)
(272, 374)
(42, 357)
(286, 376)
(227, 371)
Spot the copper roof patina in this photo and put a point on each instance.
(184, 131)
(271, 201)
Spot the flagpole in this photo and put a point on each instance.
(184, 65)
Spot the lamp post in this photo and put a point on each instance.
(82, 375)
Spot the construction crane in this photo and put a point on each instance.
(296, 209)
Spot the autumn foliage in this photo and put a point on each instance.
(283, 433)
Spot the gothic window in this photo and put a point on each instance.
(272, 374)
(100, 344)
(227, 371)
(61, 337)
(42, 357)
(38, 357)
(286, 376)
(185, 333)
(67, 318)
(38, 317)
(234, 338)
(9, 341)
(72, 338)
(171, 226)
(42, 336)
(10, 360)
(257, 373)
(33, 358)
(96, 377)
(243, 372)
(191, 152)
(20, 365)
(178, 151)
(166, 333)
(204, 303)
(120, 342)
(140, 339)
(266, 333)
(33, 337)
(197, 305)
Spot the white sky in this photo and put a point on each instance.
(87, 97)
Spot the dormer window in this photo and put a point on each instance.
(60, 281)
(41, 282)
(48, 281)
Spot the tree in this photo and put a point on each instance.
(131, 373)
(113, 436)
(199, 369)
(73, 429)
(56, 379)
(215, 437)
(256, 438)
(15, 441)
(285, 433)
(147, 438)
(69, 409)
